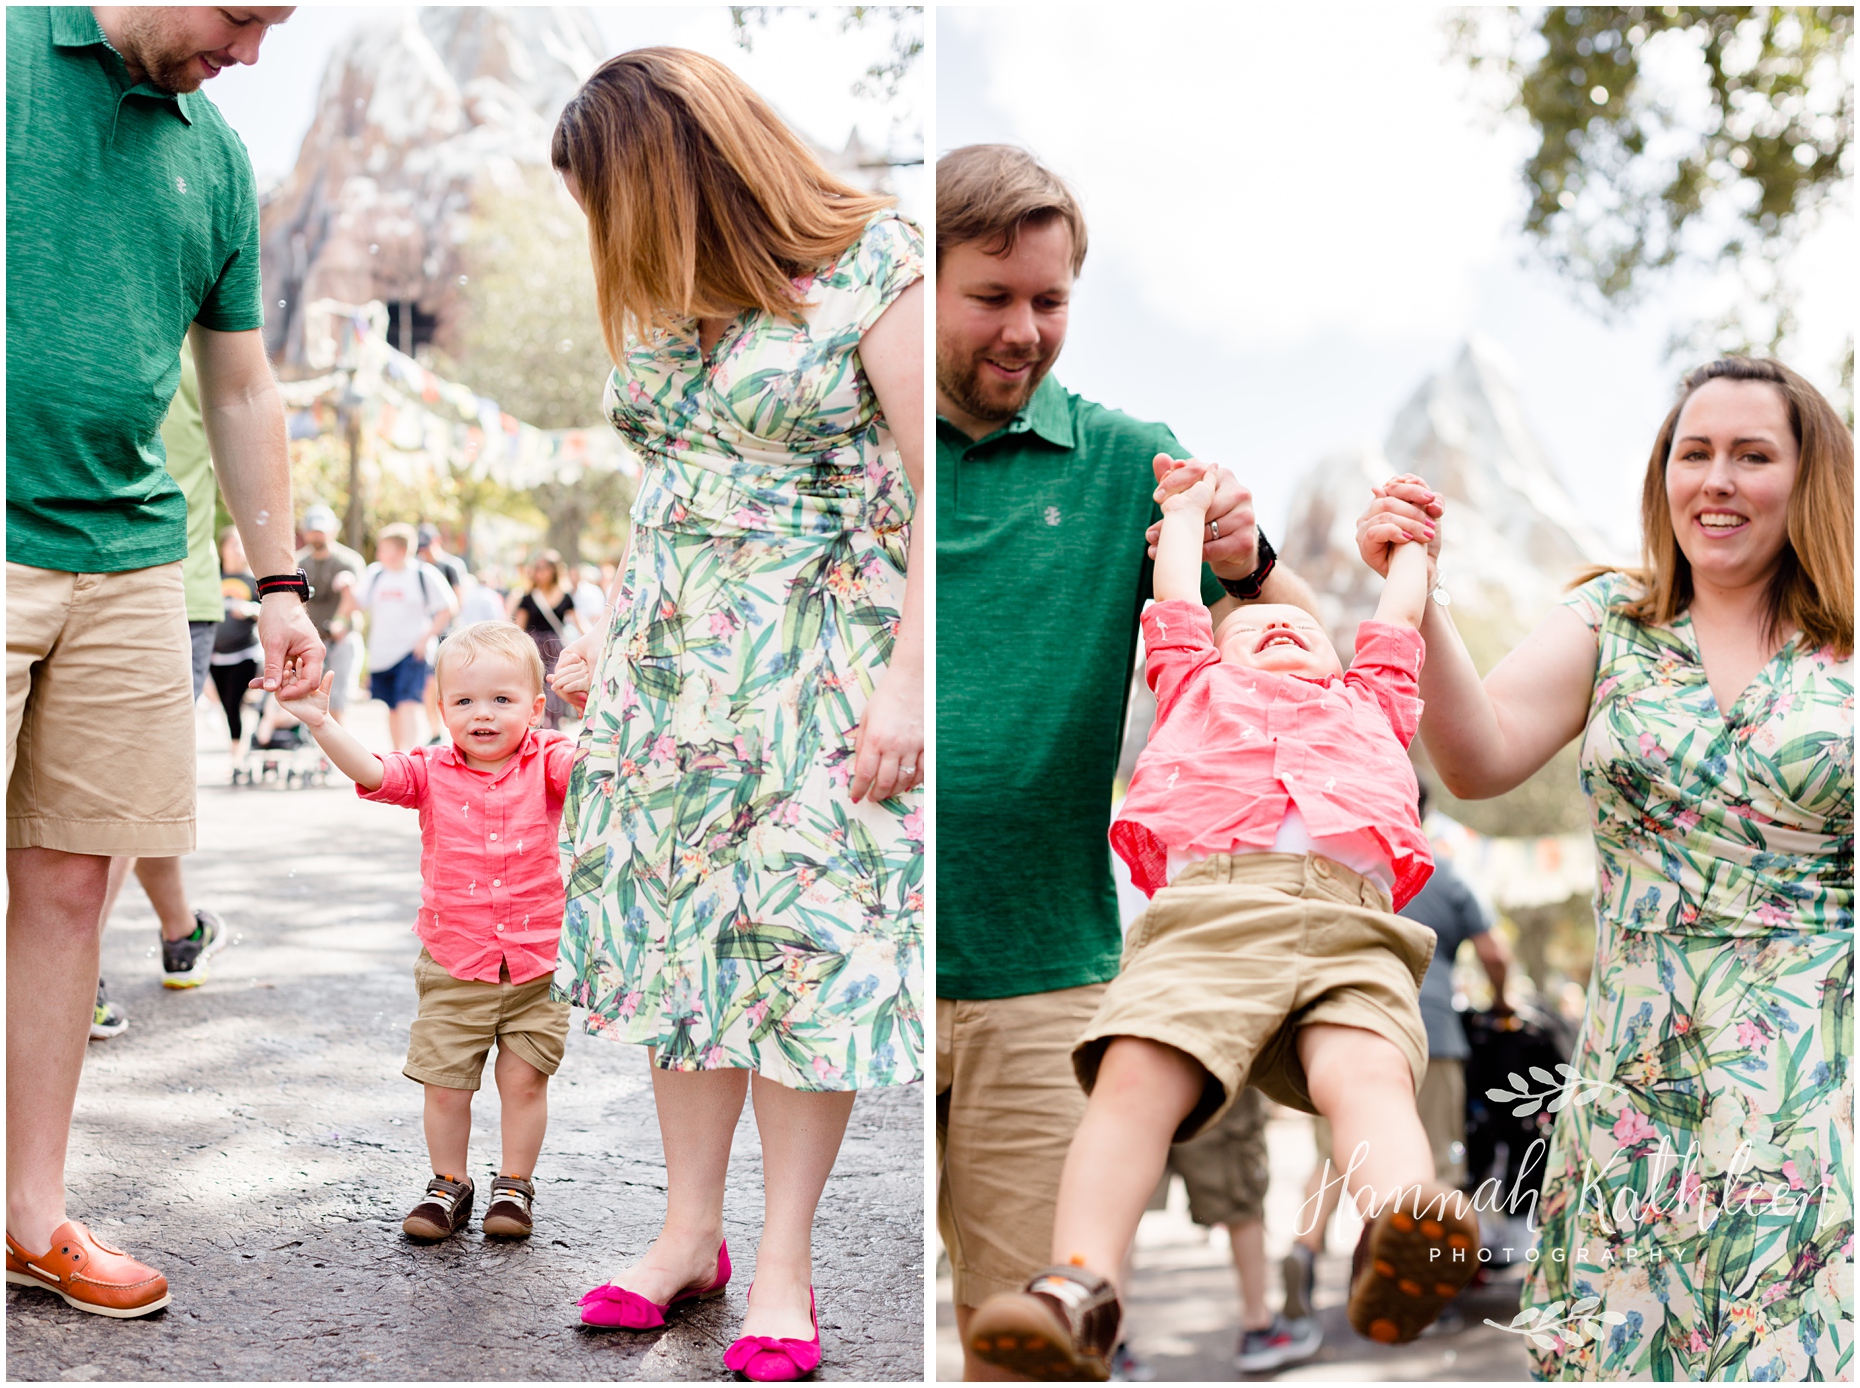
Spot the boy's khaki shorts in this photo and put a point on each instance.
(99, 712)
(460, 1017)
(1239, 952)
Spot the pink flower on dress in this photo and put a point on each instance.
(1689, 1191)
(1650, 748)
(914, 826)
(722, 623)
(1751, 1036)
(629, 1003)
(1697, 1343)
(756, 1012)
(825, 1070)
(1795, 1180)
(714, 1058)
(1632, 1128)
(665, 748)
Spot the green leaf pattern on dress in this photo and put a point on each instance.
(1720, 1012)
(727, 902)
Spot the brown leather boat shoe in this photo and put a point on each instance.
(88, 1273)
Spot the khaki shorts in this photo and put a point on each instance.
(1242, 950)
(1442, 1105)
(1225, 1168)
(460, 1017)
(99, 712)
(1006, 1109)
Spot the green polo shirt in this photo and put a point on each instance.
(190, 464)
(130, 214)
(1042, 572)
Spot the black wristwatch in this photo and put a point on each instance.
(1247, 589)
(298, 583)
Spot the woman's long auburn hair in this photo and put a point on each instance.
(1813, 589)
(700, 202)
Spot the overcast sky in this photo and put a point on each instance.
(806, 67)
(1291, 228)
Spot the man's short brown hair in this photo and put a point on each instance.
(988, 193)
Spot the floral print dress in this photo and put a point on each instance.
(727, 902)
(1697, 1211)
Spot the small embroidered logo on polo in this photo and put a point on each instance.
(180, 185)
(1052, 515)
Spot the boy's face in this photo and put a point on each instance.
(488, 703)
(1278, 638)
(392, 553)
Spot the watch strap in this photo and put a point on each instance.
(298, 583)
(1248, 589)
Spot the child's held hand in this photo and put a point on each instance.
(1183, 484)
(1405, 510)
(313, 708)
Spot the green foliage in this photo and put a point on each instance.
(1631, 175)
(524, 329)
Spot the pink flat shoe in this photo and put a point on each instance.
(615, 1308)
(765, 1359)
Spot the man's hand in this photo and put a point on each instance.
(1230, 537)
(312, 709)
(293, 650)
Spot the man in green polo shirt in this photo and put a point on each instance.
(131, 226)
(1043, 501)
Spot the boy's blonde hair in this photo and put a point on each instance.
(399, 531)
(502, 640)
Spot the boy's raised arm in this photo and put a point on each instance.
(349, 756)
(1178, 546)
(1410, 574)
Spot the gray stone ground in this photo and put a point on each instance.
(255, 1140)
(1184, 1315)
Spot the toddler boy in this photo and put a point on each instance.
(1271, 818)
(490, 913)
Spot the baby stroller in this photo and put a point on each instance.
(1500, 1145)
(279, 748)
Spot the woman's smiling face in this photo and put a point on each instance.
(1728, 481)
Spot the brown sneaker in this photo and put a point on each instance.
(1062, 1326)
(1419, 1256)
(88, 1273)
(445, 1210)
(508, 1215)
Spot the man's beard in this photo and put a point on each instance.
(167, 62)
(960, 378)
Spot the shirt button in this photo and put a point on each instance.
(500, 927)
(1323, 870)
(497, 881)
(494, 838)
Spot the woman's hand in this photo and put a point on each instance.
(1405, 508)
(888, 744)
(574, 669)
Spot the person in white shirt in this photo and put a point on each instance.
(408, 604)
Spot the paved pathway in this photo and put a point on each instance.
(255, 1139)
(1184, 1312)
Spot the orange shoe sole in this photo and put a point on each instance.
(1020, 1333)
(1415, 1267)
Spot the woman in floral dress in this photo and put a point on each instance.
(1696, 1218)
(744, 841)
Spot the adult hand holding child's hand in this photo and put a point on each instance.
(309, 709)
(1405, 508)
(574, 669)
(1230, 539)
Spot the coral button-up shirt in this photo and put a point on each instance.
(1234, 747)
(490, 882)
